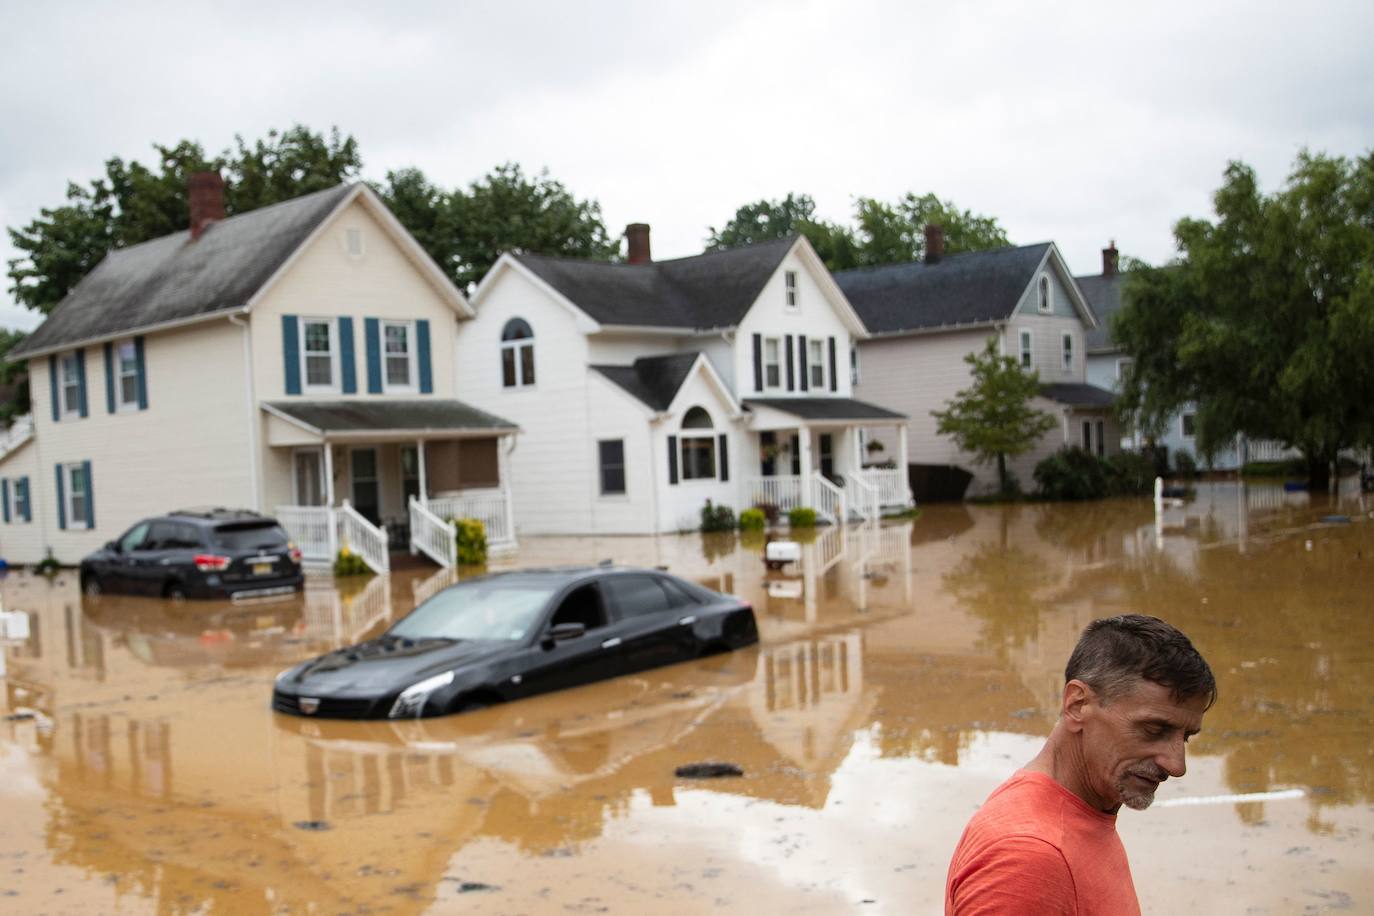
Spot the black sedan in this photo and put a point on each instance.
(511, 635)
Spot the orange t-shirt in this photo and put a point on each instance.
(1036, 848)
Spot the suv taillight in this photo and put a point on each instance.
(209, 562)
(296, 554)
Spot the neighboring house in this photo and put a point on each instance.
(645, 389)
(288, 359)
(925, 317)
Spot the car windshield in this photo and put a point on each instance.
(250, 536)
(481, 609)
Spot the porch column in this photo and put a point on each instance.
(333, 528)
(857, 451)
(503, 450)
(424, 485)
(905, 477)
(804, 459)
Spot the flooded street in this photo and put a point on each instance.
(902, 674)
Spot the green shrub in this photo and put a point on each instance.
(802, 517)
(753, 520)
(1185, 465)
(48, 566)
(717, 518)
(1072, 473)
(1132, 473)
(348, 563)
(471, 536)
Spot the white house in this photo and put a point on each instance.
(645, 389)
(925, 317)
(290, 359)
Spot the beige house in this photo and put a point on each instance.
(297, 359)
(923, 318)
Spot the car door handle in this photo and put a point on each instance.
(687, 621)
(611, 643)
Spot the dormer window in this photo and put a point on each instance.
(790, 281)
(1046, 300)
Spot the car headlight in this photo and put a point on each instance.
(412, 700)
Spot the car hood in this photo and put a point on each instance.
(383, 665)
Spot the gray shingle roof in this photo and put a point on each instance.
(173, 278)
(654, 380)
(711, 290)
(968, 288)
(1078, 395)
(408, 415)
(826, 408)
(1104, 295)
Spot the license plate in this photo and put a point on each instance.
(262, 569)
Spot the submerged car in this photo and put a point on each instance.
(510, 635)
(197, 553)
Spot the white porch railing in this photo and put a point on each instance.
(433, 535)
(827, 500)
(363, 538)
(312, 529)
(785, 492)
(865, 499)
(492, 507)
(890, 484)
(19, 432)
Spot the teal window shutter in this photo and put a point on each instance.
(142, 374)
(291, 352)
(109, 378)
(5, 497)
(348, 372)
(81, 378)
(373, 332)
(426, 376)
(61, 501)
(52, 380)
(25, 507)
(90, 494)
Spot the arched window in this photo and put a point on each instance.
(698, 445)
(517, 354)
(1046, 303)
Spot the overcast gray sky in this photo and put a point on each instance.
(1078, 122)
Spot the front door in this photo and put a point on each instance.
(363, 463)
(828, 456)
(410, 474)
(308, 477)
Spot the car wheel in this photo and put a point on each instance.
(91, 586)
(174, 591)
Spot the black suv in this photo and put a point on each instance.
(197, 553)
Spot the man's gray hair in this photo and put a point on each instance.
(1115, 653)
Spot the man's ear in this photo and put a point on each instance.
(1079, 699)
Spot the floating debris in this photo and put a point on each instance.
(707, 771)
(311, 825)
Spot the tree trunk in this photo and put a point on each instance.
(1318, 472)
(1002, 473)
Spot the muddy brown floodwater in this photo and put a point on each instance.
(902, 674)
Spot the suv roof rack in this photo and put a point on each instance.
(217, 513)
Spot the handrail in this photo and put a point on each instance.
(433, 535)
(866, 498)
(828, 499)
(364, 538)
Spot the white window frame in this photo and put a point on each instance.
(332, 325)
(17, 517)
(815, 363)
(1044, 291)
(1066, 351)
(792, 296)
(71, 407)
(1183, 427)
(317, 450)
(1121, 364)
(1026, 341)
(777, 363)
(69, 497)
(517, 347)
(117, 351)
(412, 358)
(624, 492)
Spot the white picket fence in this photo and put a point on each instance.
(491, 507)
(785, 492)
(432, 535)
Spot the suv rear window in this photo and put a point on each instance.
(249, 536)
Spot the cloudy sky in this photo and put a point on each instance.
(1073, 121)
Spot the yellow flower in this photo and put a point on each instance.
(343, 552)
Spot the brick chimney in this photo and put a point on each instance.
(206, 192)
(935, 243)
(1109, 259)
(637, 239)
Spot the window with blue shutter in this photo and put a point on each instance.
(52, 380)
(291, 352)
(81, 379)
(61, 499)
(109, 378)
(5, 498)
(348, 372)
(23, 504)
(90, 493)
(422, 344)
(142, 362)
(672, 459)
(372, 334)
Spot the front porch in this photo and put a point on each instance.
(378, 477)
(810, 454)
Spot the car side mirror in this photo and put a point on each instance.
(112, 546)
(562, 632)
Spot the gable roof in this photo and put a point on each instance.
(1104, 295)
(654, 380)
(704, 291)
(975, 287)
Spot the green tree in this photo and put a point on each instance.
(14, 379)
(795, 214)
(895, 233)
(426, 210)
(1266, 321)
(509, 211)
(133, 202)
(993, 418)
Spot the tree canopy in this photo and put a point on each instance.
(992, 418)
(1266, 321)
(883, 233)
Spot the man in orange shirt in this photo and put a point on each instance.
(1045, 842)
